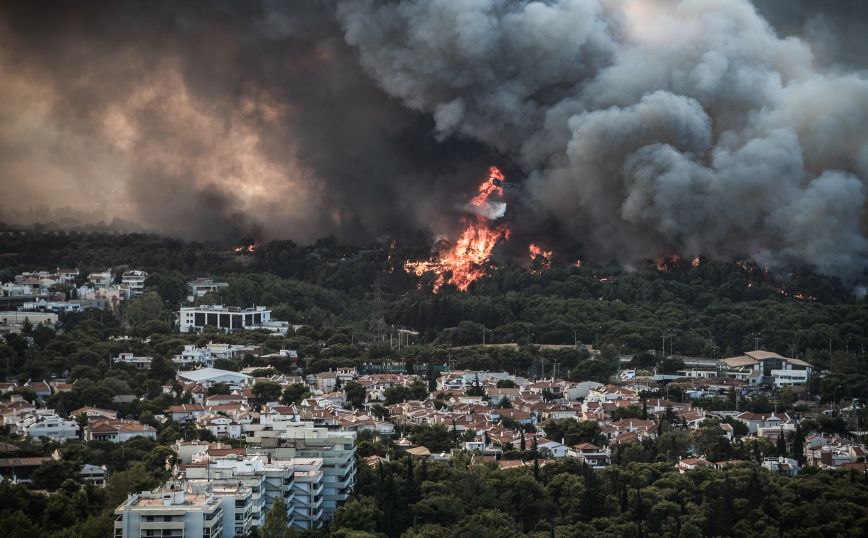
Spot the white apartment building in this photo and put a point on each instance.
(45, 423)
(267, 481)
(288, 440)
(134, 281)
(309, 488)
(171, 511)
(226, 318)
(141, 363)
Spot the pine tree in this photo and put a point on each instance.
(797, 450)
(535, 458)
(782, 444)
(276, 525)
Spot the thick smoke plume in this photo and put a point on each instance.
(644, 126)
(634, 127)
(214, 120)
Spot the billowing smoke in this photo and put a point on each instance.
(634, 127)
(644, 126)
(214, 121)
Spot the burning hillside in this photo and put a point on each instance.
(468, 259)
(541, 260)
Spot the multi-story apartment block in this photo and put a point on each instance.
(171, 511)
(290, 440)
(267, 481)
(134, 281)
(309, 487)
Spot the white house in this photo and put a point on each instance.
(194, 356)
(185, 412)
(118, 431)
(557, 450)
(48, 425)
(768, 368)
(134, 281)
(142, 363)
(220, 426)
(211, 376)
(202, 286)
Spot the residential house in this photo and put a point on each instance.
(140, 363)
(118, 431)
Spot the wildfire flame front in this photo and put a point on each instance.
(468, 259)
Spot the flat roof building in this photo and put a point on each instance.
(171, 511)
(226, 318)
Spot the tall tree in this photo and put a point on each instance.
(276, 524)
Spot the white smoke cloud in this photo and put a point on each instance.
(647, 126)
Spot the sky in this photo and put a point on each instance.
(635, 128)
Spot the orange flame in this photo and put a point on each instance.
(669, 262)
(468, 259)
(696, 261)
(540, 256)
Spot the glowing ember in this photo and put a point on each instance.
(695, 262)
(578, 264)
(541, 259)
(668, 263)
(240, 249)
(468, 259)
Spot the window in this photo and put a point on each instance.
(200, 319)
(224, 320)
(212, 319)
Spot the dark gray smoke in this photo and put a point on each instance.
(214, 120)
(635, 127)
(644, 126)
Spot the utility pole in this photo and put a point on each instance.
(671, 343)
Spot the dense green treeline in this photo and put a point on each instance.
(564, 499)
